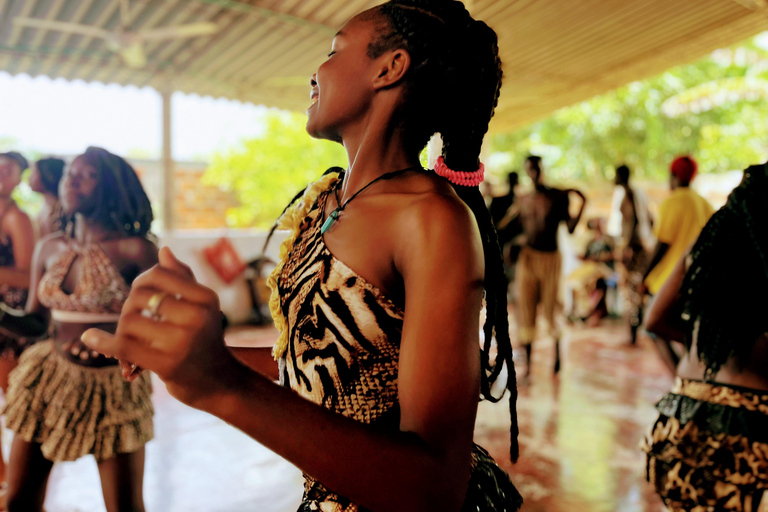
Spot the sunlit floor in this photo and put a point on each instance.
(579, 436)
(579, 433)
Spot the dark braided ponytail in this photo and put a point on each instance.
(121, 204)
(723, 293)
(452, 88)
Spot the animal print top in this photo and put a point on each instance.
(344, 335)
(343, 352)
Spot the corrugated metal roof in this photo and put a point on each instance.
(555, 52)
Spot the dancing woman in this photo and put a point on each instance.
(66, 401)
(379, 290)
(708, 450)
(16, 246)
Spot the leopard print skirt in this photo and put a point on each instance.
(708, 450)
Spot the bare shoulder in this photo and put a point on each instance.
(15, 217)
(138, 246)
(557, 193)
(136, 251)
(435, 222)
(436, 208)
(53, 242)
(50, 245)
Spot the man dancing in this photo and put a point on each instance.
(537, 275)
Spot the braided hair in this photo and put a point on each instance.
(122, 204)
(723, 293)
(50, 171)
(455, 57)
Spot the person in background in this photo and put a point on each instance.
(16, 248)
(589, 282)
(44, 179)
(539, 265)
(681, 217)
(631, 226)
(64, 400)
(708, 449)
(499, 207)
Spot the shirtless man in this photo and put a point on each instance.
(538, 267)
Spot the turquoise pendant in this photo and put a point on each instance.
(329, 221)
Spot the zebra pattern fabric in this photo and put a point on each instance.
(343, 352)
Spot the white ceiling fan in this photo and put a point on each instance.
(129, 45)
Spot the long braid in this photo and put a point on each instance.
(723, 293)
(454, 56)
(121, 204)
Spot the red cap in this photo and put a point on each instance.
(683, 168)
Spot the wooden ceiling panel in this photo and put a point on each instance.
(555, 52)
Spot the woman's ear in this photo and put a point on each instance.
(393, 66)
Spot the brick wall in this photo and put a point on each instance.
(196, 206)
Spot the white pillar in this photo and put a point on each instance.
(168, 180)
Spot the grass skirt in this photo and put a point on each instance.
(73, 410)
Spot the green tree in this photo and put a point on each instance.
(714, 109)
(266, 172)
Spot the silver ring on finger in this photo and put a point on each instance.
(152, 311)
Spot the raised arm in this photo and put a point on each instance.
(422, 467)
(572, 222)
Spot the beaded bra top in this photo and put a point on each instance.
(100, 288)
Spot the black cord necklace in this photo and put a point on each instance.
(334, 215)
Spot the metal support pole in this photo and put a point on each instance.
(168, 181)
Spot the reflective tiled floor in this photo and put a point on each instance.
(579, 436)
(579, 433)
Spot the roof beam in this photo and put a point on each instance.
(203, 61)
(13, 39)
(248, 40)
(48, 65)
(184, 11)
(221, 51)
(53, 12)
(263, 12)
(68, 70)
(291, 52)
(152, 21)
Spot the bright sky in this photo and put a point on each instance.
(59, 117)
